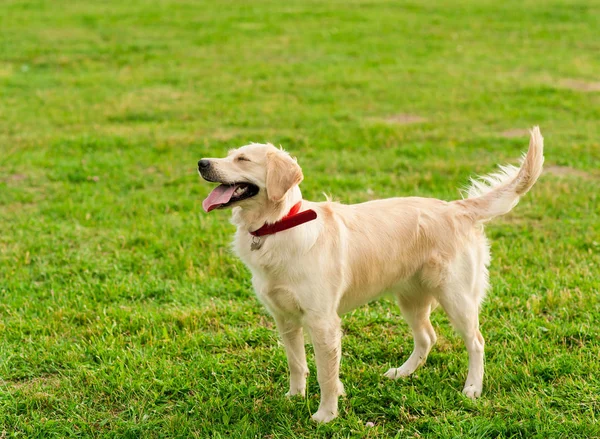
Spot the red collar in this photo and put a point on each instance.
(292, 219)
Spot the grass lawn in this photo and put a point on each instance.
(123, 312)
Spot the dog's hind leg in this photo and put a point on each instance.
(416, 312)
(463, 311)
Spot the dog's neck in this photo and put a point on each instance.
(251, 219)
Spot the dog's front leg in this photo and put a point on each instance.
(293, 340)
(326, 336)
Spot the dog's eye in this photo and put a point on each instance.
(241, 158)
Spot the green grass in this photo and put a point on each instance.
(123, 312)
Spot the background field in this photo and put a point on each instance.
(122, 311)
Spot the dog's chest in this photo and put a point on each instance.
(277, 294)
(276, 270)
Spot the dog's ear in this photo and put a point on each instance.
(283, 173)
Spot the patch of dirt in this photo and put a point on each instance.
(562, 171)
(579, 85)
(514, 133)
(12, 178)
(35, 383)
(224, 135)
(404, 119)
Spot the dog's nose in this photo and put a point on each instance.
(203, 164)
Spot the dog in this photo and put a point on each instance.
(311, 262)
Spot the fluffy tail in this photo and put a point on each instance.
(496, 194)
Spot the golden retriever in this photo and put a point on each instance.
(424, 251)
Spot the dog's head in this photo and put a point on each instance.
(251, 176)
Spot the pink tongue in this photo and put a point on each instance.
(219, 196)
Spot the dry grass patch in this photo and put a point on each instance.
(579, 85)
(514, 133)
(403, 119)
(567, 171)
(34, 385)
(13, 178)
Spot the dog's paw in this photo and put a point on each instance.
(324, 416)
(395, 373)
(296, 392)
(471, 392)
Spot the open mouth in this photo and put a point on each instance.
(225, 195)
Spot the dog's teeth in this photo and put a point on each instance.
(239, 190)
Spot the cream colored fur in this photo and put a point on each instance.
(424, 251)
